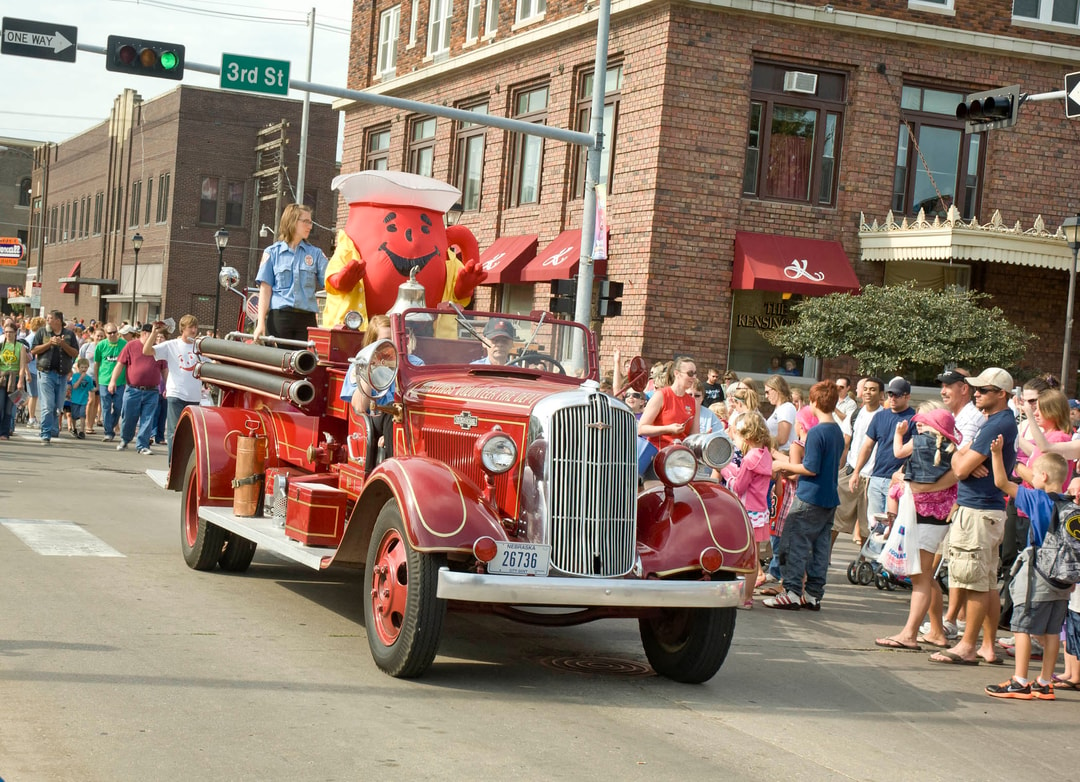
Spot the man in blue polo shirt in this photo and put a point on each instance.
(880, 433)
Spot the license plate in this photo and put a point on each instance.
(519, 559)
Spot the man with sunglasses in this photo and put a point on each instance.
(957, 396)
(880, 433)
(979, 523)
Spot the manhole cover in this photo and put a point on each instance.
(606, 666)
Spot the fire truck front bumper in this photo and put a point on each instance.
(607, 592)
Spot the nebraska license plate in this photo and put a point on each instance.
(519, 559)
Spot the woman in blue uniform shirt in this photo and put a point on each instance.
(291, 272)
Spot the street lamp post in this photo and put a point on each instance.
(1071, 228)
(221, 238)
(136, 245)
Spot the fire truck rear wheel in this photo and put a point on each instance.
(688, 644)
(402, 615)
(200, 540)
(237, 554)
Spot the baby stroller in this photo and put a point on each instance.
(865, 570)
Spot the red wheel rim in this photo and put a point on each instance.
(191, 510)
(389, 588)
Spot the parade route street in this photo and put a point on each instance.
(118, 662)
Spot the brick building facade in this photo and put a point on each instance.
(710, 140)
(174, 169)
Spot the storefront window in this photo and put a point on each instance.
(755, 312)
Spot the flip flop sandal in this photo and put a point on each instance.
(892, 643)
(951, 658)
(923, 640)
(1061, 683)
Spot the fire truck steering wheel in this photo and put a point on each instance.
(535, 357)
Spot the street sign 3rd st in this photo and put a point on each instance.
(254, 74)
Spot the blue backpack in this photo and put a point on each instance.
(1058, 558)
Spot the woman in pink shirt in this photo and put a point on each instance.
(750, 482)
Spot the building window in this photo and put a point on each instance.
(135, 203)
(612, 93)
(439, 27)
(422, 146)
(530, 105)
(234, 203)
(73, 216)
(208, 200)
(118, 206)
(1064, 12)
(413, 22)
(472, 20)
(86, 216)
(378, 149)
(99, 208)
(163, 198)
(24, 191)
(930, 5)
(793, 139)
(149, 193)
(469, 159)
(389, 28)
(528, 9)
(54, 221)
(491, 18)
(937, 163)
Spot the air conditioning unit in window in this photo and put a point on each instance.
(797, 81)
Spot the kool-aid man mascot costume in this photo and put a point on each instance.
(395, 225)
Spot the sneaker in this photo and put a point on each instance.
(122, 447)
(32, 423)
(810, 603)
(146, 452)
(107, 438)
(1010, 689)
(787, 601)
(46, 441)
(1042, 692)
(951, 630)
(1036, 653)
(81, 435)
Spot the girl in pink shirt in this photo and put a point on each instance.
(750, 482)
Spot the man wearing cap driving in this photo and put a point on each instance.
(979, 523)
(500, 336)
(880, 433)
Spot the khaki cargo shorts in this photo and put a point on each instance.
(973, 545)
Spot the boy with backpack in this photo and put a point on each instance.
(1040, 602)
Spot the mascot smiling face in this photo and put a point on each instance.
(396, 223)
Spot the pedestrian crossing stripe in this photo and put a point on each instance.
(51, 538)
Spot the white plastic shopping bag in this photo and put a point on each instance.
(901, 553)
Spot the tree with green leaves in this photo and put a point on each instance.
(903, 329)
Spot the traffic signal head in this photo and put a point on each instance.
(144, 58)
(990, 109)
(609, 304)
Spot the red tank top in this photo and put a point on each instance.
(676, 409)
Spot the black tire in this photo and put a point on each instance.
(881, 582)
(688, 645)
(238, 553)
(866, 573)
(402, 615)
(853, 573)
(200, 541)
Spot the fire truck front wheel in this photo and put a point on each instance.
(201, 541)
(688, 644)
(402, 615)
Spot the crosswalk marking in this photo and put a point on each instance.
(59, 538)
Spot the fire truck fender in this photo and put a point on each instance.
(440, 509)
(674, 530)
(210, 433)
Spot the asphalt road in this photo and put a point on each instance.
(133, 667)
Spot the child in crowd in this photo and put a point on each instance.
(1039, 608)
(750, 482)
(80, 385)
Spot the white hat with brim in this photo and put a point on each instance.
(993, 376)
(396, 188)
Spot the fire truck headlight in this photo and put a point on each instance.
(676, 465)
(497, 452)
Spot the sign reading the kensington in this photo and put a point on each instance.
(254, 74)
(43, 40)
(11, 251)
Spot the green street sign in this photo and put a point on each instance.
(254, 74)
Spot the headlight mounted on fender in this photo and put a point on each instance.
(676, 465)
(714, 449)
(497, 450)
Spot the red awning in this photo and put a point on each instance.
(559, 260)
(72, 286)
(504, 258)
(790, 264)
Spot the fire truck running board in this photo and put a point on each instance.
(268, 536)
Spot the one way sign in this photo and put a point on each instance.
(43, 40)
(1072, 95)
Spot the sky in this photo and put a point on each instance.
(53, 101)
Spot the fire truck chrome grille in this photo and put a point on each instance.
(593, 489)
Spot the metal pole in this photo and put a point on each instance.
(301, 167)
(134, 285)
(217, 298)
(1069, 319)
(583, 305)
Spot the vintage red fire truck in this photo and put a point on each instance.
(507, 487)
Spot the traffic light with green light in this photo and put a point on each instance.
(145, 58)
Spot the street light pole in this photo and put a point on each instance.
(1071, 228)
(136, 245)
(221, 238)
